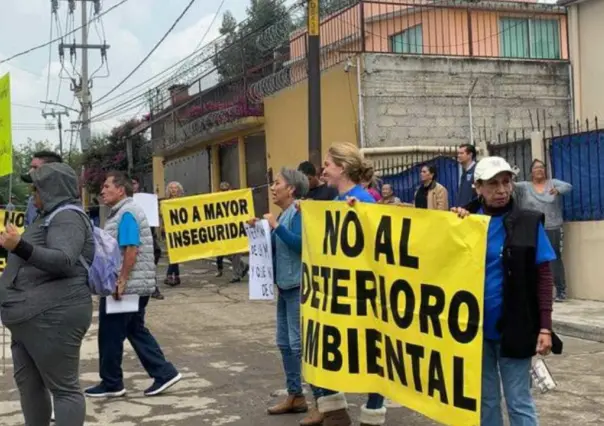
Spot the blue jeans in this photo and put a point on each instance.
(113, 330)
(514, 375)
(375, 401)
(173, 269)
(288, 338)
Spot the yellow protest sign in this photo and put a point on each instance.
(14, 217)
(392, 302)
(207, 225)
(17, 219)
(6, 140)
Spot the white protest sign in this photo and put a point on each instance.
(150, 205)
(261, 261)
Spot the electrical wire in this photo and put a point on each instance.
(135, 101)
(136, 68)
(183, 72)
(40, 46)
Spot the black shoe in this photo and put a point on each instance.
(235, 280)
(157, 294)
(218, 274)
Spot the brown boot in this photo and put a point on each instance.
(335, 410)
(314, 417)
(293, 404)
(373, 417)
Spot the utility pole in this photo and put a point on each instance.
(82, 88)
(314, 83)
(57, 115)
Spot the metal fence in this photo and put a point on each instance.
(516, 149)
(575, 154)
(230, 77)
(402, 171)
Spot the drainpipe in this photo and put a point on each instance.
(361, 105)
(470, 111)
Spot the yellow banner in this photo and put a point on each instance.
(6, 140)
(207, 225)
(17, 219)
(392, 302)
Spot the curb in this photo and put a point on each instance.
(594, 333)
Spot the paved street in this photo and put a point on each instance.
(224, 346)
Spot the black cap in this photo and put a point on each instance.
(26, 177)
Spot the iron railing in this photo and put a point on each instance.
(402, 171)
(233, 86)
(515, 147)
(575, 154)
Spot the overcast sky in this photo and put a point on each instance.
(131, 30)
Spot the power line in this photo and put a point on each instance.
(196, 50)
(183, 13)
(40, 46)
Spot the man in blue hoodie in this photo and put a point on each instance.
(466, 156)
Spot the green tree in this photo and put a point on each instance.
(247, 46)
(108, 152)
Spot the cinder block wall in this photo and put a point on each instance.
(411, 100)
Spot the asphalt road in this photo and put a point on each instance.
(223, 345)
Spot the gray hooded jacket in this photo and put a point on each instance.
(43, 271)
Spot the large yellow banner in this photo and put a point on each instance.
(392, 302)
(207, 225)
(6, 140)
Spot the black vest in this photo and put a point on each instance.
(520, 321)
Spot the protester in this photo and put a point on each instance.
(128, 224)
(545, 195)
(289, 186)
(318, 189)
(466, 156)
(238, 267)
(136, 186)
(173, 190)
(518, 321)
(431, 194)
(371, 186)
(39, 158)
(388, 196)
(346, 169)
(45, 298)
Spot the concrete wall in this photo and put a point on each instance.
(411, 100)
(286, 117)
(585, 36)
(583, 251)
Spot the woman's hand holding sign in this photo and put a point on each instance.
(9, 239)
(272, 221)
(544, 342)
(461, 212)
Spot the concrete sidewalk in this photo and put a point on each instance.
(583, 319)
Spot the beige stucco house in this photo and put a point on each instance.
(585, 36)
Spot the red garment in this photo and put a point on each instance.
(545, 289)
(376, 195)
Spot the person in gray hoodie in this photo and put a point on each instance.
(45, 300)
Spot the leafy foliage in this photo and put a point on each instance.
(108, 152)
(22, 156)
(241, 51)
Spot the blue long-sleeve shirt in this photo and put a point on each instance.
(293, 238)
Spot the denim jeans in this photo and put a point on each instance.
(375, 401)
(556, 238)
(514, 375)
(173, 269)
(113, 330)
(288, 338)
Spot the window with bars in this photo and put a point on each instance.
(408, 41)
(530, 38)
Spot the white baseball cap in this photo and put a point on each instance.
(489, 167)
